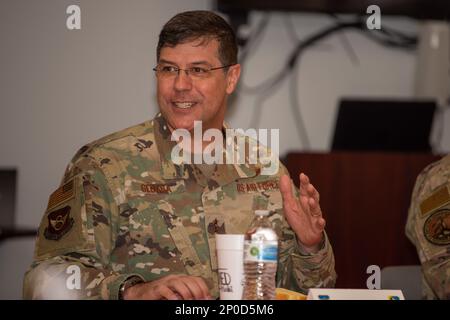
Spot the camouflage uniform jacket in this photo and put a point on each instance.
(124, 208)
(428, 227)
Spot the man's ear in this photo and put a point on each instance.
(233, 74)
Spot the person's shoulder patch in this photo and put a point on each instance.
(63, 227)
(436, 200)
(62, 194)
(436, 228)
(59, 223)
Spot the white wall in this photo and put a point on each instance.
(60, 89)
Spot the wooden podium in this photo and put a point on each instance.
(365, 199)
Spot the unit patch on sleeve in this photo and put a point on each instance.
(436, 228)
(59, 223)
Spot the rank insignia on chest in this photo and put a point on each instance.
(59, 223)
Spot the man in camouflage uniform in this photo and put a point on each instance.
(133, 224)
(428, 227)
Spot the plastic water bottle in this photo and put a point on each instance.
(260, 259)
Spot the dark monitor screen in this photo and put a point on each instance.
(382, 125)
(7, 197)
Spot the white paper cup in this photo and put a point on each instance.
(230, 259)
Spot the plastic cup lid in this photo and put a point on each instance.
(229, 241)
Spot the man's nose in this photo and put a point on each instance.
(183, 82)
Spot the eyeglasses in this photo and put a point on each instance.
(168, 71)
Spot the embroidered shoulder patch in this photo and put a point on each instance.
(62, 194)
(438, 199)
(436, 228)
(59, 223)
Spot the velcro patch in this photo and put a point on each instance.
(437, 228)
(435, 201)
(62, 229)
(59, 223)
(62, 194)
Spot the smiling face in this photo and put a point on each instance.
(183, 98)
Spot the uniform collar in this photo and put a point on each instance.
(169, 170)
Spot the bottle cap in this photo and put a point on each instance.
(262, 213)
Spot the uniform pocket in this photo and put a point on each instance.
(144, 234)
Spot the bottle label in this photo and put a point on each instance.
(260, 251)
